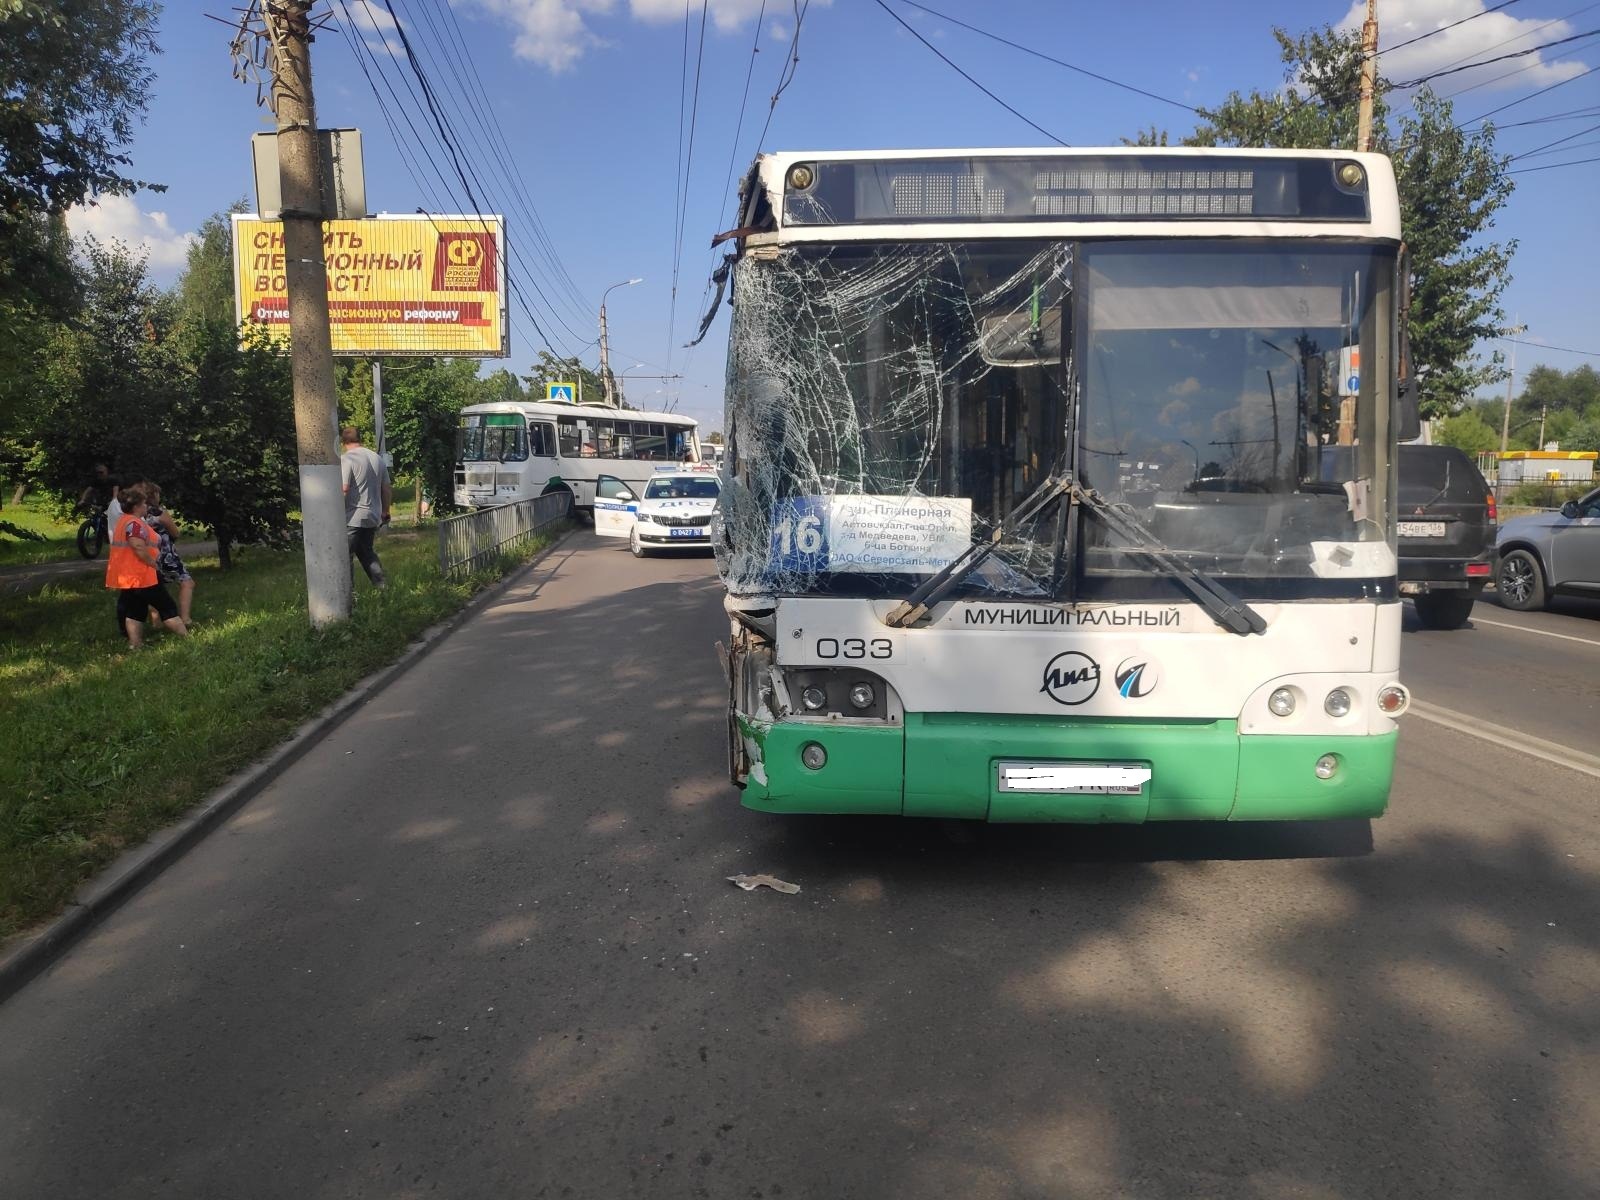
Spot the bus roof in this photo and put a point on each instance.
(1074, 192)
(548, 408)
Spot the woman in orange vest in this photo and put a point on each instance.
(131, 571)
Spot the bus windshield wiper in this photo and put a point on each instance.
(1226, 609)
(915, 606)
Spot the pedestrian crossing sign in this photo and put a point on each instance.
(567, 392)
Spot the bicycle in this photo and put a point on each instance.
(93, 533)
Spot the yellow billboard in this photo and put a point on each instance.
(396, 285)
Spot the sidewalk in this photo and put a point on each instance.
(30, 577)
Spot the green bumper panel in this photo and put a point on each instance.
(943, 765)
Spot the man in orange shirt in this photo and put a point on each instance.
(131, 571)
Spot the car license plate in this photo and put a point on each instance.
(1080, 779)
(1421, 529)
(693, 531)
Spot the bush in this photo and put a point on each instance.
(1544, 495)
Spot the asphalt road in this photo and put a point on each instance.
(479, 944)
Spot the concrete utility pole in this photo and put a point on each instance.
(316, 411)
(605, 350)
(1369, 77)
(1511, 379)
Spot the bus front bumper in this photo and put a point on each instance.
(945, 765)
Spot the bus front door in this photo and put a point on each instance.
(616, 507)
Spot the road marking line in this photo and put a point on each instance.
(1551, 752)
(1566, 637)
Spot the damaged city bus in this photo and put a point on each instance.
(1060, 484)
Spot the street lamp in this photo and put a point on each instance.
(605, 350)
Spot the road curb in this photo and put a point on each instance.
(134, 868)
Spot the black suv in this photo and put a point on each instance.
(1446, 517)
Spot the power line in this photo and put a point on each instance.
(791, 62)
(688, 170)
(1563, 150)
(1578, 162)
(1571, 114)
(1529, 96)
(1442, 28)
(1062, 63)
(1032, 124)
(1421, 79)
(1542, 346)
(1557, 142)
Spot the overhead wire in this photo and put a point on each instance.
(500, 154)
(688, 172)
(1557, 142)
(1530, 96)
(447, 141)
(1542, 346)
(1434, 32)
(1550, 167)
(549, 281)
(1484, 62)
(904, 24)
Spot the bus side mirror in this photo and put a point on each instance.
(1408, 414)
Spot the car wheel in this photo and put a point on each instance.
(635, 545)
(1444, 610)
(1520, 581)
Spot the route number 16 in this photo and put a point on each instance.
(799, 536)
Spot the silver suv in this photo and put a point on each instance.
(1549, 553)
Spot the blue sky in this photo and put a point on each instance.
(586, 94)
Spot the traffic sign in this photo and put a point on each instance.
(567, 392)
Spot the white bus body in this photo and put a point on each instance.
(514, 451)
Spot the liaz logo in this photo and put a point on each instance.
(1071, 678)
(1136, 677)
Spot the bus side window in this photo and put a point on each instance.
(624, 439)
(541, 440)
(649, 441)
(605, 440)
(677, 444)
(571, 441)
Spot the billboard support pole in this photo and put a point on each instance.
(328, 578)
(377, 409)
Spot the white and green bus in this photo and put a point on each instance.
(1060, 484)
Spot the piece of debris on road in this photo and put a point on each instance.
(751, 882)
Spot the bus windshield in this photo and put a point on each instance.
(1211, 388)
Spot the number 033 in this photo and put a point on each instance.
(855, 648)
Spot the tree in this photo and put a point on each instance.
(73, 83)
(233, 456)
(106, 379)
(1468, 432)
(502, 387)
(1452, 185)
(551, 369)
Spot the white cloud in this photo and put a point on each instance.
(120, 219)
(557, 33)
(552, 33)
(1486, 36)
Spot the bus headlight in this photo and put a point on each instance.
(1281, 702)
(1327, 766)
(861, 695)
(814, 699)
(1337, 704)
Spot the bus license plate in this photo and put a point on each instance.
(1082, 779)
(687, 533)
(1420, 529)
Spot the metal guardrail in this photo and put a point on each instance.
(474, 539)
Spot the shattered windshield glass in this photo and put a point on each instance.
(888, 403)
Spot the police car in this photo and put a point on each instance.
(675, 510)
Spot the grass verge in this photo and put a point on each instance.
(39, 515)
(103, 746)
